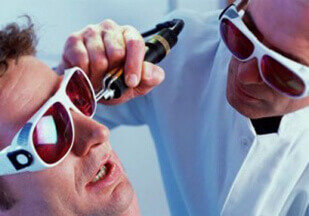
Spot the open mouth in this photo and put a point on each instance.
(103, 172)
(106, 176)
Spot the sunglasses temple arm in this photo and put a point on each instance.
(240, 4)
(6, 165)
(157, 47)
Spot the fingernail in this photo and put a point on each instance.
(159, 74)
(147, 73)
(131, 80)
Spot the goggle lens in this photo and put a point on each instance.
(79, 91)
(53, 134)
(235, 40)
(281, 77)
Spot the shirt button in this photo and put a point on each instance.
(245, 143)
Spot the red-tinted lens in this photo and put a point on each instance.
(235, 40)
(281, 77)
(53, 134)
(79, 91)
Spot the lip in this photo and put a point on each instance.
(245, 95)
(112, 177)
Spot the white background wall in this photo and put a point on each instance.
(55, 20)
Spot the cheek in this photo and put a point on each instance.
(292, 105)
(281, 105)
(47, 190)
(57, 180)
(233, 66)
(56, 184)
(232, 71)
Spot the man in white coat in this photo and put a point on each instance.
(230, 121)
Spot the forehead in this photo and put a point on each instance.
(24, 87)
(283, 24)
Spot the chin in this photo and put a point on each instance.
(246, 109)
(113, 203)
(252, 114)
(123, 196)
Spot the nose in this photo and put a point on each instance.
(248, 72)
(88, 134)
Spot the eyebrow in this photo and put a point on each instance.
(253, 28)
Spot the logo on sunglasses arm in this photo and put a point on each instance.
(20, 159)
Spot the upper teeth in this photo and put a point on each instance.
(100, 174)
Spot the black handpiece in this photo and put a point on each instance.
(157, 47)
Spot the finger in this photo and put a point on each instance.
(98, 62)
(115, 48)
(152, 76)
(135, 52)
(75, 53)
(114, 43)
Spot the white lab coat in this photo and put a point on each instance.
(211, 159)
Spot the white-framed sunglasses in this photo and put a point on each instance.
(284, 75)
(48, 136)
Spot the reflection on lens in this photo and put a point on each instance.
(53, 135)
(235, 40)
(281, 77)
(79, 91)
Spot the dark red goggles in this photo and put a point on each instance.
(280, 73)
(78, 92)
(48, 136)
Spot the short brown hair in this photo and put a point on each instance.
(15, 41)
